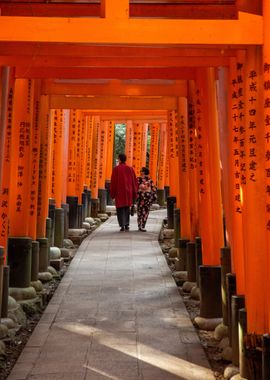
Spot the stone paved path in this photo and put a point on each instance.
(116, 315)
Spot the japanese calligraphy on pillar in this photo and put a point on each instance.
(4, 195)
(24, 129)
(251, 140)
(78, 157)
(71, 177)
(129, 142)
(103, 154)
(34, 167)
(95, 157)
(182, 143)
(110, 140)
(199, 127)
(83, 151)
(162, 156)
(154, 150)
(89, 138)
(238, 136)
(266, 67)
(137, 146)
(191, 136)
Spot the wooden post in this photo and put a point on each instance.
(34, 163)
(103, 131)
(193, 162)
(137, 147)
(110, 144)
(6, 127)
(44, 166)
(236, 223)
(184, 200)
(95, 164)
(89, 142)
(153, 159)
(173, 155)
(266, 87)
(21, 150)
(129, 142)
(162, 163)
(144, 144)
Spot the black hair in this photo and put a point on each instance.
(145, 170)
(122, 157)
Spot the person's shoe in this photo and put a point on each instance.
(142, 229)
(126, 228)
(122, 229)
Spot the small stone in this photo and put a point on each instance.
(65, 253)
(208, 324)
(9, 323)
(97, 220)
(103, 217)
(12, 303)
(55, 253)
(188, 285)
(86, 225)
(230, 371)
(37, 285)
(67, 243)
(173, 252)
(3, 331)
(221, 331)
(227, 354)
(45, 276)
(2, 348)
(181, 275)
(89, 220)
(74, 232)
(22, 293)
(52, 271)
(168, 234)
(237, 377)
(195, 293)
(225, 342)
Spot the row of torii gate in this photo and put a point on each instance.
(210, 145)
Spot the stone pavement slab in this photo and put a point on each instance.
(116, 315)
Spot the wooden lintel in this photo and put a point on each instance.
(113, 103)
(109, 73)
(72, 50)
(177, 88)
(92, 62)
(133, 31)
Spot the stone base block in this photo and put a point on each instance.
(20, 294)
(57, 264)
(208, 324)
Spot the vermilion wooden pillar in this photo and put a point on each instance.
(144, 144)
(89, 141)
(266, 86)
(129, 142)
(110, 143)
(193, 162)
(6, 127)
(137, 147)
(153, 159)
(79, 152)
(21, 149)
(71, 178)
(95, 164)
(44, 166)
(66, 117)
(34, 162)
(57, 155)
(102, 166)
(162, 155)
(173, 155)
(253, 184)
(103, 131)
(184, 200)
(235, 115)
(211, 229)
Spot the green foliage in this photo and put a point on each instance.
(119, 140)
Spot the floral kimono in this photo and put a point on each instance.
(147, 194)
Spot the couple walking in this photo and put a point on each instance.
(126, 188)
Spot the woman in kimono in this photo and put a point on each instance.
(147, 194)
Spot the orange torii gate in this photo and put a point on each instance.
(215, 36)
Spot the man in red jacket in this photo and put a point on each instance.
(124, 190)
